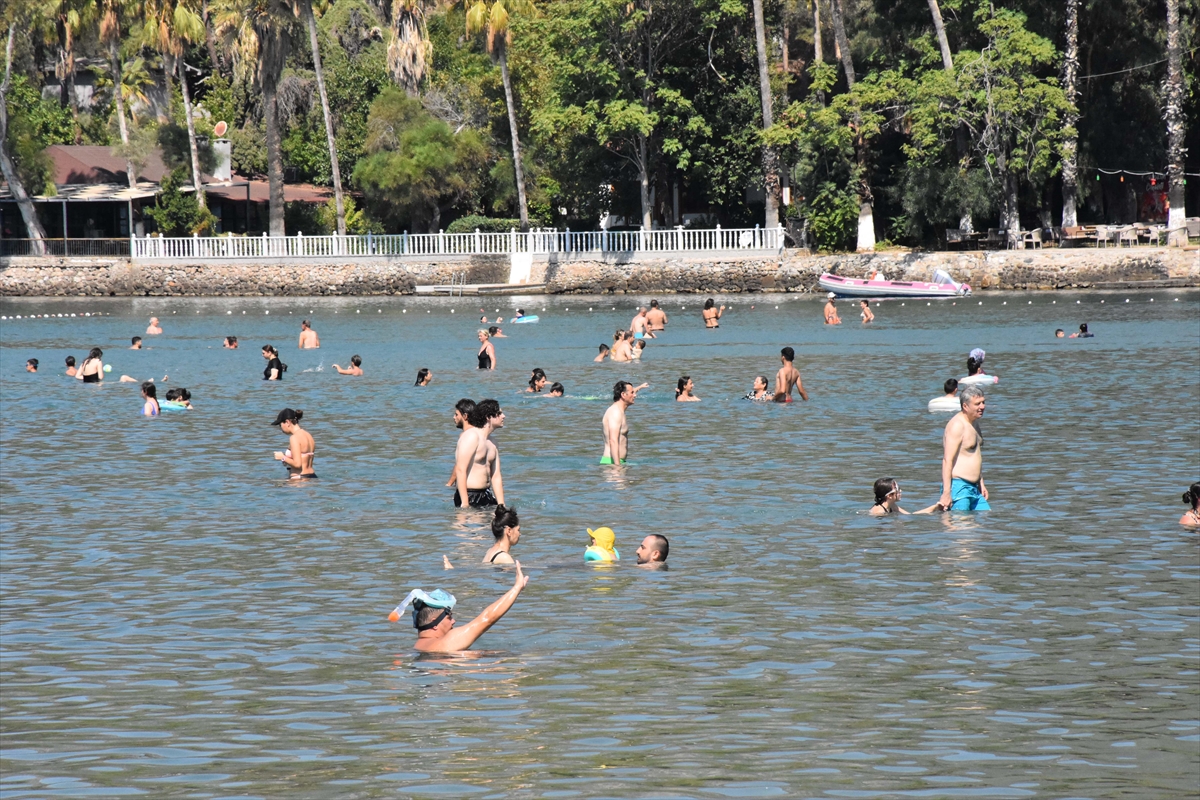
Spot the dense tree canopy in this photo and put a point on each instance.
(652, 111)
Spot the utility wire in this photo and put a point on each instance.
(1130, 69)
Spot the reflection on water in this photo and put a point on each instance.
(179, 620)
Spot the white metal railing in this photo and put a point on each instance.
(538, 241)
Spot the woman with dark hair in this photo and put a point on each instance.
(506, 527)
(424, 376)
(537, 380)
(298, 458)
(887, 499)
(1192, 497)
(712, 315)
(275, 367)
(92, 368)
(683, 391)
(759, 393)
(150, 395)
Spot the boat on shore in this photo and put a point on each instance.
(942, 285)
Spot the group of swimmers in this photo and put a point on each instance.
(831, 315)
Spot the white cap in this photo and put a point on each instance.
(831, 295)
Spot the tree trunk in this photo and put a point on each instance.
(940, 28)
(1177, 213)
(644, 183)
(193, 148)
(210, 39)
(1070, 147)
(274, 158)
(818, 50)
(516, 141)
(843, 41)
(114, 61)
(960, 136)
(32, 226)
(866, 201)
(333, 157)
(1010, 215)
(770, 162)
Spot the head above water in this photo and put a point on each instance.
(556, 389)
(1192, 496)
(70, 361)
(136, 340)
(422, 374)
(654, 547)
(967, 397)
(681, 387)
(788, 354)
(709, 303)
(505, 518)
(620, 388)
(289, 416)
(604, 348)
(95, 352)
(760, 383)
(883, 488)
(150, 390)
(32, 362)
(1083, 328)
(1058, 333)
(950, 386)
(231, 341)
(305, 325)
(654, 304)
(430, 609)
(973, 366)
(492, 331)
(356, 360)
(486, 411)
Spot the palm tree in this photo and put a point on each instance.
(409, 50)
(770, 161)
(493, 19)
(32, 225)
(960, 138)
(69, 17)
(170, 24)
(866, 210)
(1176, 130)
(259, 33)
(818, 48)
(306, 11)
(110, 36)
(1070, 146)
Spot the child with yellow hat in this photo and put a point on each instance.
(602, 548)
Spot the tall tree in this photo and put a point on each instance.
(818, 47)
(110, 37)
(866, 200)
(960, 137)
(28, 213)
(1070, 145)
(70, 16)
(769, 158)
(1176, 130)
(171, 24)
(409, 50)
(309, 18)
(492, 18)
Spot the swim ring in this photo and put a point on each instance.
(944, 404)
(529, 318)
(981, 378)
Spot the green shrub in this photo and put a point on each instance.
(468, 224)
(178, 214)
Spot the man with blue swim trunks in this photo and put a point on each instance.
(962, 456)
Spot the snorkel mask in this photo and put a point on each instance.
(419, 599)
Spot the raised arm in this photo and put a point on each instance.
(951, 443)
(464, 637)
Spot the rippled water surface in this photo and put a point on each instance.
(179, 621)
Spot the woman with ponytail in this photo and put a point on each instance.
(507, 530)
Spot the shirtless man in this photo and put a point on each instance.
(616, 429)
(622, 349)
(477, 461)
(831, 315)
(434, 620)
(461, 410)
(656, 318)
(308, 337)
(962, 456)
(652, 552)
(135, 343)
(355, 367)
(788, 378)
(153, 329)
(639, 325)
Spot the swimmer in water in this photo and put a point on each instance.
(355, 367)
(601, 545)
(1083, 333)
(788, 378)
(604, 351)
(556, 390)
(831, 315)
(31, 365)
(136, 343)
(975, 373)
(1058, 333)
(433, 617)
(275, 367)
(461, 409)
(301, 448)
(507, 530)
(477, 478)
(150, 395)
(622, 349)
(1191, 517)
(230, 343)
(656, 318)
(520, 313)
(962, 456)
(683, 391)
(616, 429)
(867, 315)
(153, 329)
(652, 552)
(640, 325)
(712, 315)
(949, 399)
(496, 332)
(887, 496)
(759, 393)
(308, 337)
(178, 398)
(92, 368)
(424, 376)
(71, 366)
(635, 352)
(487, 351)
(537, 381)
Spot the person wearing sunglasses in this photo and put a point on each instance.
(887, 500)
(433, 617)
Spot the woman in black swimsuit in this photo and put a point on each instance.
(507, 530)
(275, 367)
(487, 351)
(92, 369)
(1192, 497)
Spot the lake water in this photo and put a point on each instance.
(177, 620)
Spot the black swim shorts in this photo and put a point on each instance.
(477, 498)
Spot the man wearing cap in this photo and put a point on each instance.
(831, 315)
(616, 429)
(433, 617)
(603, 545)
(788, 378)
(477, 479)
(652, 552)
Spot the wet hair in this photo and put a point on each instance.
(422, 373)
(356, 360)
(150, 390)
(708, 304)
(604, 348)
(492, 331)
(788, 353)
(654, 304)
(465, 406)
(520, 312)
(70, 361)
(424, 615)
(305, 324)
(970, 391)
(95, 352)
(950, 386)
(619, 335)
(682, 383)
(537, 374)
(661, 545)
(973, 366)
(884, 487)
(1192, 495)
(231, 339)
(135, 340)
(619, 389)
(33, 361)
(557, 387)
(505, 518)
(172, 394)
(184, 394)
(762, 378)
(1057, 331)
(1083, 327)
(180, 394)
(482, 412)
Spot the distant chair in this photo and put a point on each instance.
(1032, 239)
(955, 236)
(1193, 227)
(996, 239)
(1056, 236)
(1102, 236)
(1128, 234)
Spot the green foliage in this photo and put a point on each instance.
(356, 220)
(833, 217)
(249, 150)
(176, 213)
(474, 222)
(33, 124)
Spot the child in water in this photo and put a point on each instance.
(150, 395)
(602, 546)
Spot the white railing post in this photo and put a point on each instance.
(512, 240)
(477, 241)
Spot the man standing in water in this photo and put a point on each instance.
(477, 461)
(656, 318)
(461, 410)
(788, 378)
(962, 456)
(652, 552)
(153, 330)
(308, 337)
(639, 325)
(831, 315)
(616, 429)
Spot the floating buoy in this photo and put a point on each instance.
(1004, 303)
(452, 311)
(1126, 300)
(1053, 302)
(404, 311)
(359, 311)
(230, 312)
(268, 311)
(980, 302)
(775, 306)
(1151, 299)
(928, 304)
(902, 304)
(243, 312)
(1077, 302)
(1102, 302)
(1030, 302)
